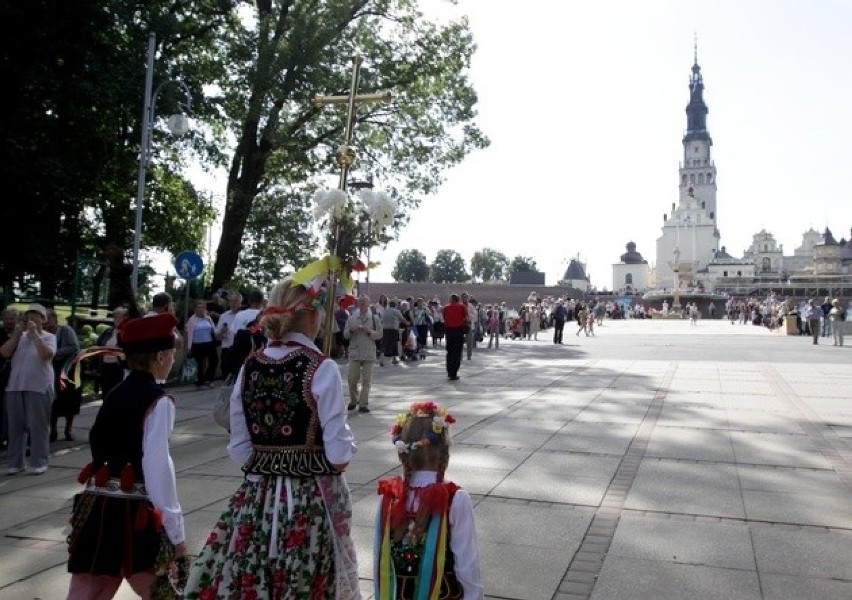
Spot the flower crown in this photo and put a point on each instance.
(441, 419)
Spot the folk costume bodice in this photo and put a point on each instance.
(116, 436)
(419, 565)
(281, 415)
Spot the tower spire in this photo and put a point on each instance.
(695, 47)
(696, 110)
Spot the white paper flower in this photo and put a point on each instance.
(330, 203)
(383, 210)
(401, 447)
(368, 200)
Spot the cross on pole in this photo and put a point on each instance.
(345, 160)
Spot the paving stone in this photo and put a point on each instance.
(780, 587)
(628, 579)
(682, 488)
(713, 545)
(803, 508)
(804, 553)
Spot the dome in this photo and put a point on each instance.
(575, 270)
(722, 254)
(631, 257)
(828, 238)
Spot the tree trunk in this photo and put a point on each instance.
(97, 282)
(241, 193)
(120, 274)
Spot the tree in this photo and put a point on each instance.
(448, 267)
(522, 264)
(286, 53)
(411, 267)
(275, 243)
(71, 151)
(488, 264)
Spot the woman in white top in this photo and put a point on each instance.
(286, 530)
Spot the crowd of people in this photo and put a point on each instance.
(812, 317)
(286, 529)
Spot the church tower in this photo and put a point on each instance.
(690, 234)
(697, 169)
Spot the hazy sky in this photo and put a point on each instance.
(584, 104)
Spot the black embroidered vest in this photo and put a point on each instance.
(116, 436)
(281, 415)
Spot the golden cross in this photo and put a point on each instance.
(345, 159)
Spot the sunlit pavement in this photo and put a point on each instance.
(654, 460)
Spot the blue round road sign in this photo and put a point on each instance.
(188, 265)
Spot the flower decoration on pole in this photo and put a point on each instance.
(346, 240)
(331, 204)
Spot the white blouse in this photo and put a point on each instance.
(159, 469)
(327, 387)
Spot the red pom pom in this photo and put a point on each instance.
(127, 478)
(102, 475)
(141, 521)
(158, 518)
(85, 473)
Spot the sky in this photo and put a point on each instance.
(584, 103)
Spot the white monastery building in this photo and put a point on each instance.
(689, 253)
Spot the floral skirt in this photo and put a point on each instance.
(280, 538)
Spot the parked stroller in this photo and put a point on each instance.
(411, 350)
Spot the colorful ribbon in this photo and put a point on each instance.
(66, 375)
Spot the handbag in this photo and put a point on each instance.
(189, 370)
(222, 405)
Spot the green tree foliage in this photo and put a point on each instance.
(275, 243)
(488, 265)
(284, 54)
(522, 264)
(448, 267)
(411, 267)
(76, 72)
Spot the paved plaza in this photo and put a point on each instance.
(656, 460)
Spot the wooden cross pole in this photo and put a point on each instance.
(345, 159)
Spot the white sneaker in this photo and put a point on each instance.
(40, 470)
(14, 470)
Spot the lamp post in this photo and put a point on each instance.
(359, 185)
(178, 124)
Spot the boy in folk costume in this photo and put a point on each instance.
(426, 546)
(129, 513)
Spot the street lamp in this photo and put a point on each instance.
(362, 186)
(178, 125)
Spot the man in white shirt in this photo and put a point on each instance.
(247, 315)
(225, 330)
(362, 329)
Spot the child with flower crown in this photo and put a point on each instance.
(426, 546)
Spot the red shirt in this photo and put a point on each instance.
(455, 314)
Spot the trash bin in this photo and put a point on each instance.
(792, 328)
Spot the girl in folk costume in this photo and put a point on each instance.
(285, 533)
(426, 546)
(129, 514)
